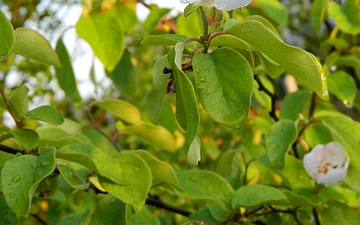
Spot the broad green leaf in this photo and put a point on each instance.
(318, 11)
(126, 17)
(164, 39)
(338, 213)
(19, 101)
(299, 63)
(224, 82)
(154, 17)
(29, 139)
(273, 69)
(21, 176)
(73, 218)
(344, 130)
(72, 177)
(109, 211)
(228, 164)
(256, 195)
(154, 100)
(205, 185)
(183, 25)
(203, 215)
(230, 41)
(217, 213)
(189, 9)
(47, 114)
(121, 109)
(279, 140)
(316, 134)
(5, 157)
(187, 111)
(135, 180)
(162, 173)
(65, 75)
(273, 10)
(157, 136)
(194, 153)
(92, 158)
(104, 34)
(100, 141)
(273, 219)
(346, 16)
(58, 137)
(143, 217)
(7, 216)
(298, 199)
(343, 86)
(33, 45)
(294, 104)
(7, 35)
(295, 175)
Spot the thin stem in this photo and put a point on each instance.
(273, 97)
(39, 219)
(10, 150)
(205, 31)
(7, 103)
(247, 164)
(160, 204)
(313, 104)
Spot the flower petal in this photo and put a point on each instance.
(231, 4)
(311, 162)
(334, 154)
(334, 176)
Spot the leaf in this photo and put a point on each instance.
(295, 175)
(294, 104)
(279, 140)
(65, 75)
(338, 213)
(194, 153)
(344, 130)
(227, 40)
(109, 211)
(346, 16)
(105, 36)
(154, 100)
(187, 111)
(7, 35)
(135, 180)
(47, 114)
(72, 177)
(343, 86)
(189, 9)
(5, 157)
(7, 216)
(163, 39)
(224, 82)
(121, 109)
(273, 10)
(162, 173)
(205, 185)
(154, 17)
(143, 217)
(58, 137)
(256, 195)
(228, 163)
(318, 12)
(92, 158)
(33, 45)
(73, 218)
(29, 139)
(21, 175)
(297, 199)
(299, 63)
(157, 136)
(273, 69)
(19, 101)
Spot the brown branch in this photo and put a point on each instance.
(273, 97)
(10, 150)
(160, 204)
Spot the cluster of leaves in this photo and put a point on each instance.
(92, 169)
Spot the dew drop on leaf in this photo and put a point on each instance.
(16, 178)
(194, 178)
(136, 169)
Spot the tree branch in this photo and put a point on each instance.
(160, 204)
(273, 97)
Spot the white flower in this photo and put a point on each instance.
(327, 164)
(221, 4)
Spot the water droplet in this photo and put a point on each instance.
(16, 178)
(197, 70)
(207, 69)
(202, 79)
(136, 169)
(194, 178)
(207, 92)
(233, 98)
(11, 195)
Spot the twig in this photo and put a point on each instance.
(273, 97)
(39, 219)
(10, 150)
(146, 5)
(7, 103)
(160, 204)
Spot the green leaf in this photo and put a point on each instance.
(228, 163)
(194, 153)
(187, 111)
(318, 12)
(154, 17)
(298, 199)
(47, 114)
(183, 25)
(316, 134)
(273, 69)
(205, 185)
(135, 180)
(73, 218)
(143, 217)
(19, 101)
(65, 75)
(344, 130)
(58, 137)
(230, 41)
(157, 136)
(343, 86)
(126, 17)
(72, 177)
(279, 140)
(100, 141)
(338, 213)
(7, 216)
(273, 10)
(104, 34)
(162, 173)
(299, 63)
(109, 211)
(121, 109)
(33, 45)
(256, 195)
(294, 104)
(5, 157)
(29, 139)
(154, 100)
(224, 82)
(189, 9)
(295, 175)
(164, 39)
(92, 158)
(21, 175)
(346, 16)
(7, 35)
